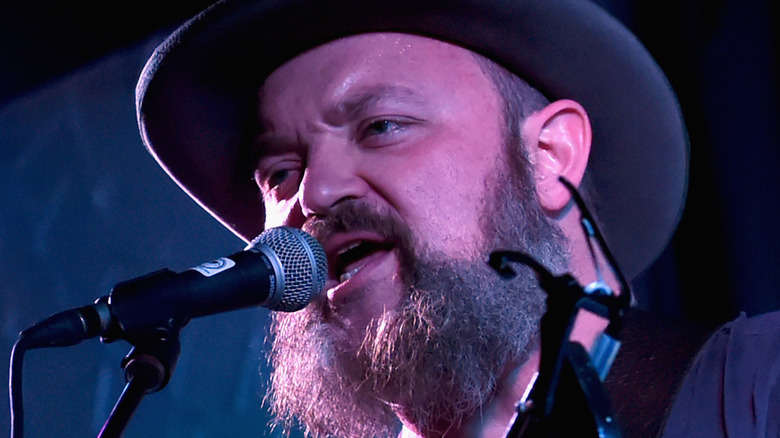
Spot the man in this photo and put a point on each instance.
(413, 139)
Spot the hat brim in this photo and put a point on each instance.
(197, 96)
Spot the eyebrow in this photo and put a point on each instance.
(359, 102)
(264, 140)
(351, 107)
(264, 144)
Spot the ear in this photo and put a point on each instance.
(558, 139)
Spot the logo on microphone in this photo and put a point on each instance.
(214, 267)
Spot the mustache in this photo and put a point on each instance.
(353, 215)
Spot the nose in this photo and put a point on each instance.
(331, 177)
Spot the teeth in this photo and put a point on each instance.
(347, 275)
(352, 246)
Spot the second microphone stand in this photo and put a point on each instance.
(568, 397)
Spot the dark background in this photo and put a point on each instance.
(85, 207)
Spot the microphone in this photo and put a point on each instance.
(283, 269)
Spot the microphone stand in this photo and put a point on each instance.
(568, 397)
(148, 368)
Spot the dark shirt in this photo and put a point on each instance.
(733, 386)
(652, 363)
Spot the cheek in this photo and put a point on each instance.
(451, 209)
(280, 213)
(441, 196)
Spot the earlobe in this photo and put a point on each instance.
(558, 137)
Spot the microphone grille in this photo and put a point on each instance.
(304, 266)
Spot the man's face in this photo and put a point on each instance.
(406, 125)
(392, 151)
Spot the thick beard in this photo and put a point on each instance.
(436, 360)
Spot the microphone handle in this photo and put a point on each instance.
(136, 308)
(153, 300)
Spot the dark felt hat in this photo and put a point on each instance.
(196, 98)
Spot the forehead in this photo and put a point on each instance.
(376, 59)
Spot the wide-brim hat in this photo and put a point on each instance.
(197, 97)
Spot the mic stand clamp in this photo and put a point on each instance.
(148, 368)
(567, 398)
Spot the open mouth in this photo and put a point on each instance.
(350, 259)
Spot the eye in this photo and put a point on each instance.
(380, 127)
(385, 131)
(279, 178)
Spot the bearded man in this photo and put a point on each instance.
(412, 139)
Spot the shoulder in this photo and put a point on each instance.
(765, 325)
(733, 386)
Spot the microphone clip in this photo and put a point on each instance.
(568, 397)
(148, 368)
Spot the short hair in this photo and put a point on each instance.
(520, 99)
